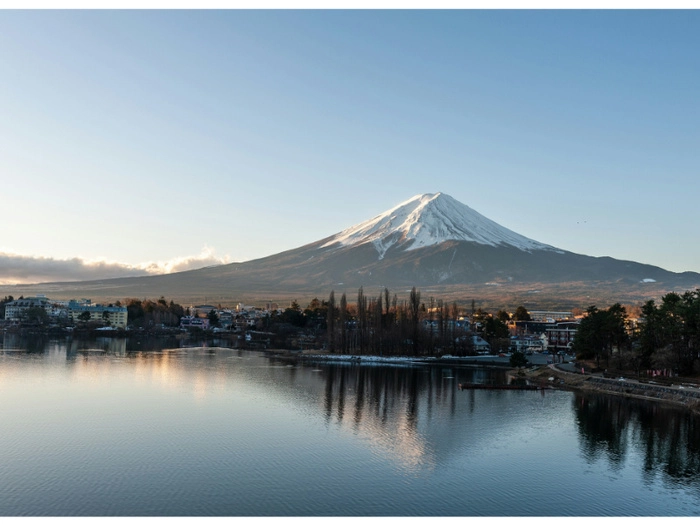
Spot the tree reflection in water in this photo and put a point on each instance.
(669, 437)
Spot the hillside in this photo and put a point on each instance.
(431, 241)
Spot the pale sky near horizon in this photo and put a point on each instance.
(177, 138)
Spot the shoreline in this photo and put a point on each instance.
(678, 395)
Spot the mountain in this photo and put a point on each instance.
(429, 220)
(429, 241)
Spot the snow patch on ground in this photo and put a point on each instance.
(395, 360)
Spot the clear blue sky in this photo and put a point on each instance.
(150, 136)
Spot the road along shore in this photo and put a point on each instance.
(680, 395)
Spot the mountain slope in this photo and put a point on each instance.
(429, 220)
(429, 240)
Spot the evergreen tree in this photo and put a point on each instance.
(213, 318)
(600, 332)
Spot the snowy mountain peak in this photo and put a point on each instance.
(427, 220)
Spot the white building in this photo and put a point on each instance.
(16, 310)
(115, 316)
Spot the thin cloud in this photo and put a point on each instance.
(27, 269)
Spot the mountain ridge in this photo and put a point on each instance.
(428, 241)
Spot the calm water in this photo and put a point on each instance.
(101, 428)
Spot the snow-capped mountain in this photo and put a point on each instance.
(428, 220)
(428, 241)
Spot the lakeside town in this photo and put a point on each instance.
(527, 331)
(650, 356)
(652, 340)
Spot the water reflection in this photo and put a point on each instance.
(404, 436)
(668, 438)
(119, 346)
(400, 407)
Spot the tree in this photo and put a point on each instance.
(457, 330)
(502, 315)
(616, 327)
(672, 329)
(495, 332)
(650, 333)
(361, 330)
(521, 314)
(330, 322)
(213, 318)
(518, 359)
(414, 307)
(601, 332)
(7, 299)
(431, 319)
(36, 314)
(343, 321)
(588, 342)
(84, 316)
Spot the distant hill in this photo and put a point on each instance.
(431, 241)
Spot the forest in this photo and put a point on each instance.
(666, 336)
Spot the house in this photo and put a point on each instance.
(202, 310)
(480, 346)
(190, 322)
(225, 319)
(528, 343)
(560, 336)
(450, 325)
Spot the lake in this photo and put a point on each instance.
(115, 428)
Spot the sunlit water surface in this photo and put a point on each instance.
(215, 431)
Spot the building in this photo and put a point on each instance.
(189, 322)
(560, 336)
(115, 316)
(548, 316)
(528, 343)
(225, 319)
(202, 310)
(480, 345)
(17, 310)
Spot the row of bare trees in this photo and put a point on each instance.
(147, 312)
(385, 325)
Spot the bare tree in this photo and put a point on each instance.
(330, 323)
(343, 320)
(414, 306)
